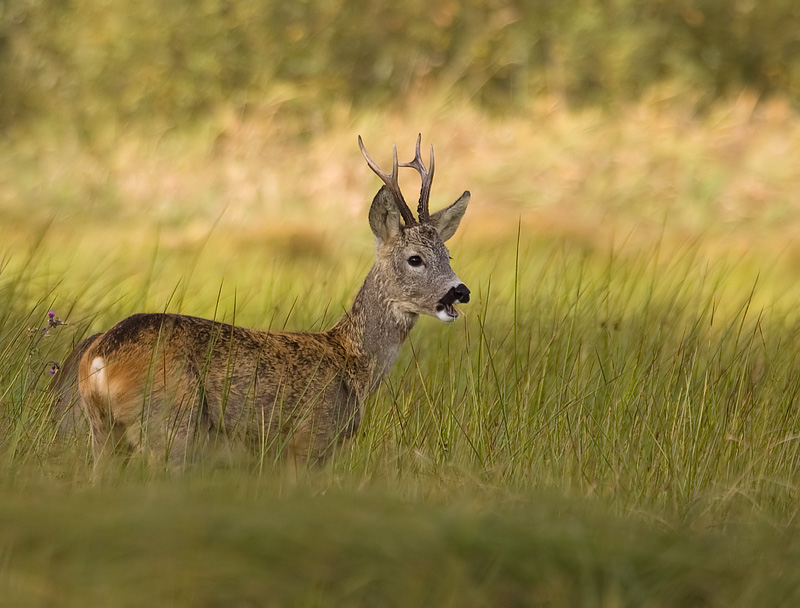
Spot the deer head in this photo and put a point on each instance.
(411, 257)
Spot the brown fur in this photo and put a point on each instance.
(168, 384)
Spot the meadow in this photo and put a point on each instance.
(614, 421)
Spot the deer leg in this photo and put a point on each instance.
(108, 441)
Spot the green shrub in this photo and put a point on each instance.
(179, 60)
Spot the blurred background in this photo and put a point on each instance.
(180, 62)
(600, 122)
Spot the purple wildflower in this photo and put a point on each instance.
(53, 320)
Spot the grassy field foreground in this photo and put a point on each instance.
(615, 421)
(241, 542)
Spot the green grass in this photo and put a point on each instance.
(615, 421)
(246, 542)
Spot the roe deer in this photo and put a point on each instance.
(163, 383)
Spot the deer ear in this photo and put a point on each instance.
(384, 217)
(446, 220)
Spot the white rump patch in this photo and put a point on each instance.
(97, 374)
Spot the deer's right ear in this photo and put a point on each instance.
(446, 220)
(384, 216)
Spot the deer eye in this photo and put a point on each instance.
(415, 260)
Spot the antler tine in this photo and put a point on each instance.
(391, 182)
(427, 181)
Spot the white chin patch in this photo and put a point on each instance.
(446, 313)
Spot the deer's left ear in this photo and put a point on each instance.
(446, 220)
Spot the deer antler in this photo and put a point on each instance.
(427, 180)
(391, 182)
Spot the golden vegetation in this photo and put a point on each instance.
(627, 368)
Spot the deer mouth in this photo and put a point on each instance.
(445, 308)
(446, 312)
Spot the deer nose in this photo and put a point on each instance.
(462, 293)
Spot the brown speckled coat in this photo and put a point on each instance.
(167, 383)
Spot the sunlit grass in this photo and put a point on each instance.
(631, 347)
(654, 383)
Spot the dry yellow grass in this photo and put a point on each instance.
(263, 186)
(728, 172)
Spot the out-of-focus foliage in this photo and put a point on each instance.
(178, 59)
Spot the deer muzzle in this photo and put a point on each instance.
(445, 309)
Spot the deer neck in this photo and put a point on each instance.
(374, 328)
